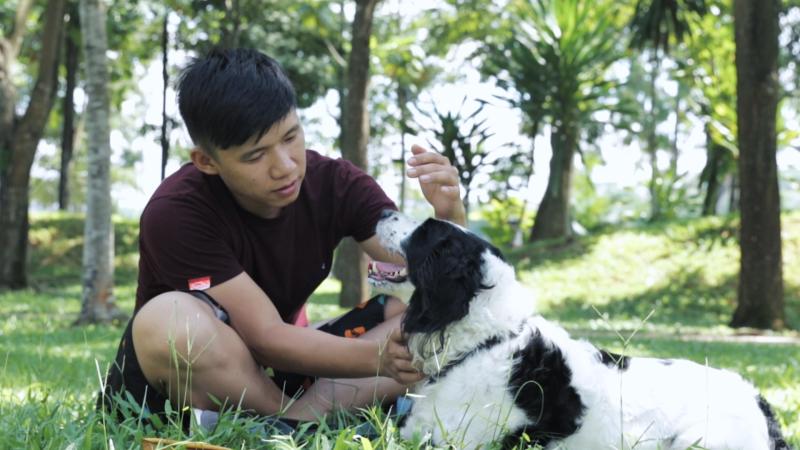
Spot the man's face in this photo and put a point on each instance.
(265, 175)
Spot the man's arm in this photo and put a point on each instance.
(282, 346)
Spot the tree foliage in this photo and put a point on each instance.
(555, 58)
(659, 24)
(462, 139)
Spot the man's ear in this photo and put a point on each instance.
(203, 161)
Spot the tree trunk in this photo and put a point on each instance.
(516, 227)
(711, 172)
(652, 142)
(760, 292)
(9, 50)
(355, 135)
(98, 247)
(20, 151)
(339, 271)
(733, 199)
(231, 29)
(714, 153)
(402, 103)
(71, 60)
(672, 173)
(552, 217)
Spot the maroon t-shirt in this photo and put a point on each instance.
(194, 235)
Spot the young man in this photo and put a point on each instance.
(232, 245)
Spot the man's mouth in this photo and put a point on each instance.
(383, 271)
(289, 188)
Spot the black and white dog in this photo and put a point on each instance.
(497, 372)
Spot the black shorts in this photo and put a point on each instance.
(125, 374)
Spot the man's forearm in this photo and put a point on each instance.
(313, 352)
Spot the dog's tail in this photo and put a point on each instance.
(776, 438)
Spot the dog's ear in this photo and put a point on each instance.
(445, 267)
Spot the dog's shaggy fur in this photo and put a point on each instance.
(497, 372)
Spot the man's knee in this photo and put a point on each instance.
(174, 327)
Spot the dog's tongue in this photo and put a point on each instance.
(379, 270)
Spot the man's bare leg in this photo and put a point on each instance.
(204, 357)
(190, 355)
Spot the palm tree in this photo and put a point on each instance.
(656, 26)
(462, 139)
(660, 23)
(556, 55)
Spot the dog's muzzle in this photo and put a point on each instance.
(393, 229)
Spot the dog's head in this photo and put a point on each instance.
(446, 265)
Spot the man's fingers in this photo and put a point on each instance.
(401, 355)
(423, 156)
(418, 149)
(424, 159)
(405, 366)
(410, 378)
(431, 168)
(397, 337)
(396, 346)
(399, 360)
(444, 178)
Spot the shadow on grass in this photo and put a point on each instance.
(686, 300)
(791, 296)
(554, 251)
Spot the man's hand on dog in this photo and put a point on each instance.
(439, 182)
(395, 360)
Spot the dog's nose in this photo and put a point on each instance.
(386, 213)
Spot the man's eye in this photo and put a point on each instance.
(254, 157)
(290, 138)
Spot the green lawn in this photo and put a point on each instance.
(681, 274)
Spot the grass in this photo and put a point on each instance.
(598, 286)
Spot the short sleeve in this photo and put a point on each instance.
(182, 244)
(361, 201)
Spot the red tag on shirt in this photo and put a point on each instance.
(199, 284)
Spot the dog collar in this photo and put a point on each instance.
(485, 345)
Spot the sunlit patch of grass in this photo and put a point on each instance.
(685, 272)
(324, 303)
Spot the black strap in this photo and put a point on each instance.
(487, 344)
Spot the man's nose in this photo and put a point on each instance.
(283, 164)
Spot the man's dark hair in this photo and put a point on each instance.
(232, 95)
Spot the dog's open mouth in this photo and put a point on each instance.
(383, 271)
